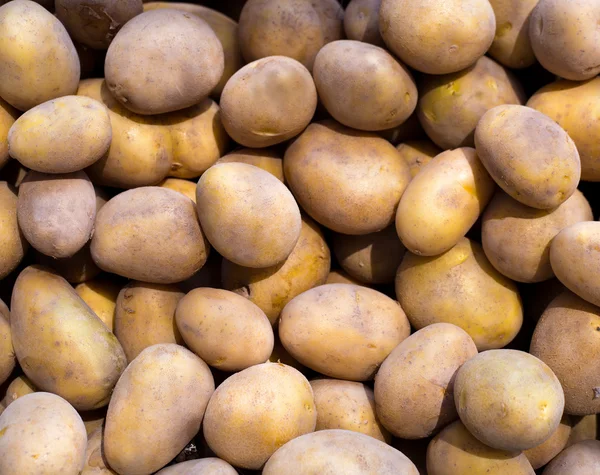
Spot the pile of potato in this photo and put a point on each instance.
(305, 238)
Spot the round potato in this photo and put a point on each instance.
(95, 461)
(437, 36)
(347, 180)
(38, 60)
(361, 21)
(7, 353)
(8, 115)
(582, 458)
(13, 244)
(542, 454)
(266, 158)
(18, 387)
(163, 40)
(248, 215)
(528, 155)
(78, 268)
(185, 187)
(204, 466)
(418, 153)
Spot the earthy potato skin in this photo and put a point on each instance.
(516, 238)
(95, 461)
(533, 159)
(8, 115)
(349, 452)
(265, 158)
(450, 105)
(204, 466)
(13, 244)
(173, 248)
(343, 331)
(418, 153)
(432, 36)
(460, 287)
(331, 171)
(185, 187)
(582, 458)
(542, 454)
(38, 60)
(454, 450)
(18, 387)
(567, 330)
(273, 404)
(361, 21)
(7, 354)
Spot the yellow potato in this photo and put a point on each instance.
(13, 244)
(203, 466)
(418, 153)
(185, 187)
(18, 387)
(8, 115)
(266, 158)
(361, 21)
(542, 454)
(7, 354)
(582, 458)
(78, 268)
(101, 296)
(95, 462)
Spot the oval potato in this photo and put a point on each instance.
(18, 387)
(418, 153)
(101, 296)
(185, 187)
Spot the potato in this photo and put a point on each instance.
(93, 419)
(7, 354)
(254, 412)
(156, 409)
(18, 387)
(173, 247)
(37, 138)
(582, 458)
(8, 115)
(546, 451)
(273, 287)
(451, 105)
(460, 287)
(56, 212)
(582, 428)
(62, 346)
(97, 23)
(437, 36)
(414, 386)
(101, 296)
(533, 159)
(347, 180)
(13, 244)
(338, 276)
(516, 238)
(41, 434)
(567, 330)
(341, 330)
(248, 215)
(511, 46)
(265, 158)
(204, 466)
(78, 268)
(185, 187)
(266, 28)
(178, 42)
(361, 21)
(454, 450)
(281, 355)
(95, 462)
(418, 153)
(38, 60)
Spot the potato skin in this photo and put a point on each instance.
(95, 461)
(339, 276)
(8, 115)
(13, 244)
(18, 387)
(361, 21)
(542, 454)
(418, 153)
(38, 60)
(582, 458)
(185, 187)
(343, 331)
(204, 466)
(533, 159)
(265, 158)
(146, 398)
(582, 428)
(346, 180)
(7, 353)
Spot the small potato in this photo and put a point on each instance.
(18, 387)
(542, 454)
(8, 115)
(418, 153)
(460, 287)
(582, 428)
(342, 331)
(437, 36)
(13, 244)
(56, 212)
(185, 187)
(248, 215)
(203, 466)
(338, 276)
(226, 330)
(414, 386)
(78, 268)
(451, 105)
(265, 158)
(516, 238)
(7, 353)
(41, 434)
(582, 458)
(528, 155)
(95, 462)
(156, 408)
(38, 60)
(347, 180)
(150, 234)
(455, 450)
(256, 411)
(382, 99)
(361, 21)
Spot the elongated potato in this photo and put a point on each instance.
(18, 387)
(418, 153)
(266, 158)
(95, 461)
(8, 115)
(542, 454)
(13, 244)
(7, 353)
(101, 296)
(204, 466)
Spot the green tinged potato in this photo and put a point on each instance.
(7, 353)
(582, 458)
(266, 158)
(204, 466)
(542, 454)
(95, 461)
(361, 21)
(418, 153)
(13, 244)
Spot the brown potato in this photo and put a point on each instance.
(7, 353)
(361, 21)
(542, 454)
(265, 158)
(13, 244)
(204, 466)
(418, 153)
(185, 187)
(582, 458)
(8, 115)
(95, 461)
(18, 387)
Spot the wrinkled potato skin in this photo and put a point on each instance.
(484, 303)
(582, 458)
(418, 153)
(546, 451)
(13, 244)
(8, 115)
(361, 22)
(516, 238)
(185, 187)
(7, 353)
(451, 105)
(78, 268)
(204, 466)
(19, 387)
(38, 60)
(346, 180)
(532, 159)
(95, 462)
(265, 158)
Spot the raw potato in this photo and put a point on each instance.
(18, 387)
(582, 458)
(95, 461)
(248, 215)
(38, 60)
(582, 428)
(338, 276)
(101, 296)
(414, 386)
(7, 353)
(150, 234)
(339, 451)
(41, 434)
(226, 330)
(56, 212)
(546, 451)
(185, 187)
(254, 412)
(268, 102)
(451, 105)
(37, 138)
(418, 153)
(382, 99)
(343, 331)
(347, 405)
(361, 21)
(455, 450)
(281, 355)
(528, 155)
(516, 238)
(204, 466)
(265, 158)
(347, 180)
(8, 115)
(13, 244)
(78, 268)
(460, 287)
(437, 36)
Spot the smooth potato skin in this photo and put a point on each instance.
(95, 461)
(204, 466)
(185, 187)
(418, 153)
(361, 21)
(582, 458)
(8, 115)
(13, 244)
(7, 353)
(18, 387)
(542, 454)
(266, 158)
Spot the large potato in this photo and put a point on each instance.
(529, 155)
(341, 330)
(418, 153)
(542, 454)
(7, 353)
(13, 244)
(95, 461)
(361, 21)
(266, 158)
(203, 466)
(101, 296)
(347, 180)
(8, 115)
(156, 409)
(582, 458)
(38, 60)
(18, 387)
